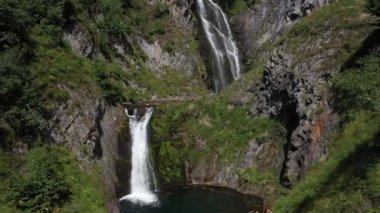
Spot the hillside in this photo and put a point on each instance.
(299, 129)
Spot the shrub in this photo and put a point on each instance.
(108, 78)
(26, 122)
(161, 9)
(43, 187)
(358, 88)
(113, 22)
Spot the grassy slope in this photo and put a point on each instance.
(348, 179)
(211, 119)
(341, 26)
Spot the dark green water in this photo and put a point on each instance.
(199, 200)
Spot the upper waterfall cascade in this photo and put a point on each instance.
(142, 172)
(225, 55)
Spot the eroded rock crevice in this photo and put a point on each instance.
(296, 95)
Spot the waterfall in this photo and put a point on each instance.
(142, 173)
(225, 56)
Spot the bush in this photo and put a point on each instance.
(161, 9)
(13, 76)
(26, 122)
(43, 187)
(108, 78)
(113, 23)
(359, 87)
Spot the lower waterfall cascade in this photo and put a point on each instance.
(142, 173)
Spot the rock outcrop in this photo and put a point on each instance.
(297, 95)
(80, 42)
(76, 123)
(159, 59)
(181, 12)
(267, 20)
(91, 129)
(262, 157)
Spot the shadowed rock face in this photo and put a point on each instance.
(297, 96)
(293, 94)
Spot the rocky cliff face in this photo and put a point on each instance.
(96, 131)
(292, 91)
(263, 157)
(91, 129)
(267, 20)
(159, 59)
(297, 95)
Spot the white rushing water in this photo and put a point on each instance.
(142, 172)
(225, 55)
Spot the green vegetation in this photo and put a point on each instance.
(359, 87)
(43, 187)
(106, 76)
(52, 181)
(228, 130)
(234, 7)
(198, 131)
(374, 7)
(347, 18)
(39, 72)
(348, 174)
(348, 180)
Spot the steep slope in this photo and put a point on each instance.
(83, 62)
(67, 72)
(288, 82)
